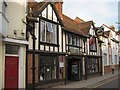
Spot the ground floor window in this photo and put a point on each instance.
(92, 65)
(47, 68)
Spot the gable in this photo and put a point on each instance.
(49, 13)
(46, 10)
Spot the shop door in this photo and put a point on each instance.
(11, 72)
(74, 70)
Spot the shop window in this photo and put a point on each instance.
(12, 49)
(47, 68)
(48, 32)
(92, 65)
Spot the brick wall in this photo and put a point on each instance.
(108, 69)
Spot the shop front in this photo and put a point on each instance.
(93, 66)
(48, 68)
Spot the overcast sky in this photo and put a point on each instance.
(100, 11)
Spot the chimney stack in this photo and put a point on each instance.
(58, 6)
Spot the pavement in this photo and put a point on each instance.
(90, 83)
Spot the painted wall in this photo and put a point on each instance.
(15, 14)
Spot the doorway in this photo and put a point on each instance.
(74, 69)
(11, 72)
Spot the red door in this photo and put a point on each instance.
(11, 72)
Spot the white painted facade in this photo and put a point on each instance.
(106, 48)
(10, 21)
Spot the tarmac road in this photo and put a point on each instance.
(111, 83)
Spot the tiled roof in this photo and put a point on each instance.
(85, 26)
(79, 20)
(71, 25)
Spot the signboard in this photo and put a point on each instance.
(61, 64)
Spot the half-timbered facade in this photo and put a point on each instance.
(84, 55)
(45, 60)
(60, 48)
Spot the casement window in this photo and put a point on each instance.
(115, 59)
(74, 43)
(74, 40)
(70, 39)
(105, 59)
(78, 41)
(48, 32)
(47, 68)
(92, 44)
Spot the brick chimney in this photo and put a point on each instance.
(58, 6)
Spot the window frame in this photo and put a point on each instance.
(54, 32)
(46, 66)
(77, 43)
(105, 54)
(91, 49)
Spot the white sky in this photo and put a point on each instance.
(100, 11)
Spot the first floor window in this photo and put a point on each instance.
(48, 32)
(115, 59)
(92, 44)
(105, 59)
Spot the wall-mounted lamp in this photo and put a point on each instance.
(68, 52)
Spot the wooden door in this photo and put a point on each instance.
(11, 72)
